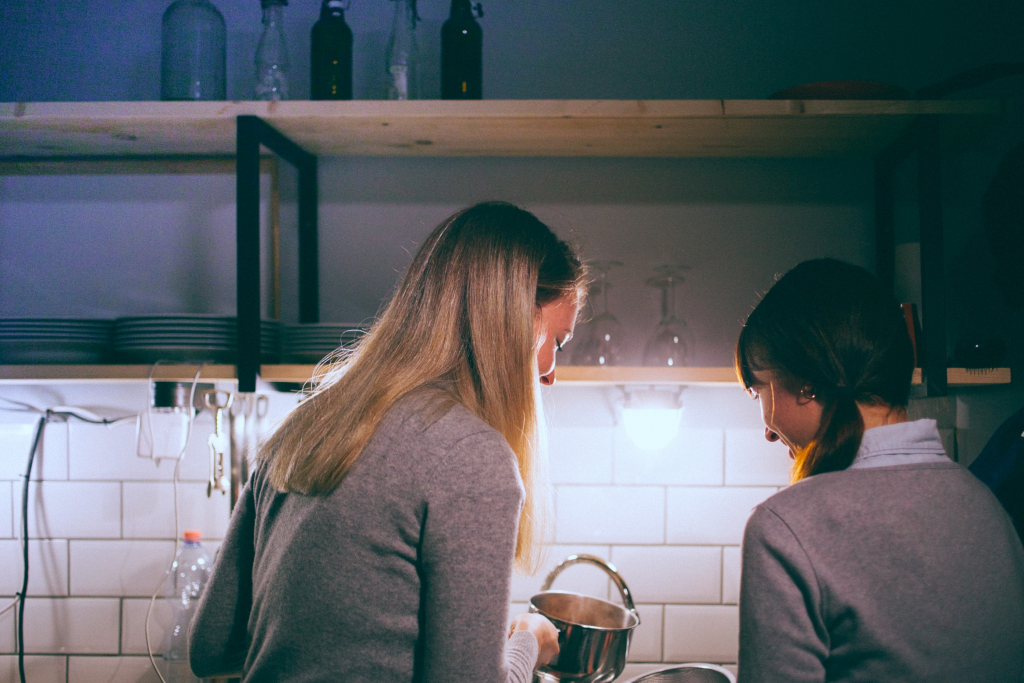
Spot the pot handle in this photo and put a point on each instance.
(607, 567)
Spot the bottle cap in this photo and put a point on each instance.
(193, 536)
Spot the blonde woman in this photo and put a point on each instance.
(377, 537)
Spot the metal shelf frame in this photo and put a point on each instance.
(923, 137)
(99, 137)
(252, 133)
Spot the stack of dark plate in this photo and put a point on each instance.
(54, 340)
(310, 343)
(188, 339)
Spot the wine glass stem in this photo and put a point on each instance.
(672, 297)
(668, 299)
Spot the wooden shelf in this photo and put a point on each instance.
(608, 128)
(567, 374)
(114, 373)
(602, 376)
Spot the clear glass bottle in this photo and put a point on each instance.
(189, 575)
(403, 53)
(193, 52)
(272, 54)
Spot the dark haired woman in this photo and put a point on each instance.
(884, 561)
(376, 540)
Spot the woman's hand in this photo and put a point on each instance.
(543, 630)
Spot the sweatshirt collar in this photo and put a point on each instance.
(904, 443)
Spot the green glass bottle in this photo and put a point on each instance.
(331, 47)
(462, 53)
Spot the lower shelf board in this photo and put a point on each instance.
(300, 374)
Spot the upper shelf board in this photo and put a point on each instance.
(567, 374)
(598, 128)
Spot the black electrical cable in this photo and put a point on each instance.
(24, 546)
(66, 413)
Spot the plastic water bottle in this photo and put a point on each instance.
(189, 574)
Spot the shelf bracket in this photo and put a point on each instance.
(923, 136)
(251, 133)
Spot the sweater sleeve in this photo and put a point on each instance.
(218, 636)
(783, 637)
(467, 549)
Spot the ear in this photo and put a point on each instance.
(806, 395)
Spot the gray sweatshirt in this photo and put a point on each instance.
(902, 568)
(401, 574)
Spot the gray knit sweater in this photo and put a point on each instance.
(401, 574)
(883, 572)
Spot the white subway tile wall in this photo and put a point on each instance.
(49, 669)
(580, 578)
(731, 575)
(72, 625)
(149, 510)
(7, 630)
(582, 455)
(73, 509)
(647, 637)
(49, 563)
(616, 514)
(51, 462)
(750, 460)
(111, 670)
(711, 515)
(693, 458)
(102, 526)
(701, 633)
(671, 574)
(6, 509)
(121, 568)
(133, 625)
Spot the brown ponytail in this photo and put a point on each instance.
(830, 326)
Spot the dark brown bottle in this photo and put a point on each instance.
(462, 53)
(331, 43)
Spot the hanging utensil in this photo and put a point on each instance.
(220, 441)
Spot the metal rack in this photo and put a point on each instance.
(923, 137)
(72, 137)
(252, 132)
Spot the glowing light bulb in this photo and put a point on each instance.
(651, 418)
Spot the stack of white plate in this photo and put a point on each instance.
(188, 338)
(54, 340)
(310, 343)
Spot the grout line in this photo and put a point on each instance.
(725, 435)
(664, 635)
(120, 626)
(664, 521)
(721, 583)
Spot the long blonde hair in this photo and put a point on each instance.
(461, 322)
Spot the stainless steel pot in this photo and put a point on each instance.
(687, 673)
(593, 634)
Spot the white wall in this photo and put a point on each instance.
(101, 529)
(101, 524)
